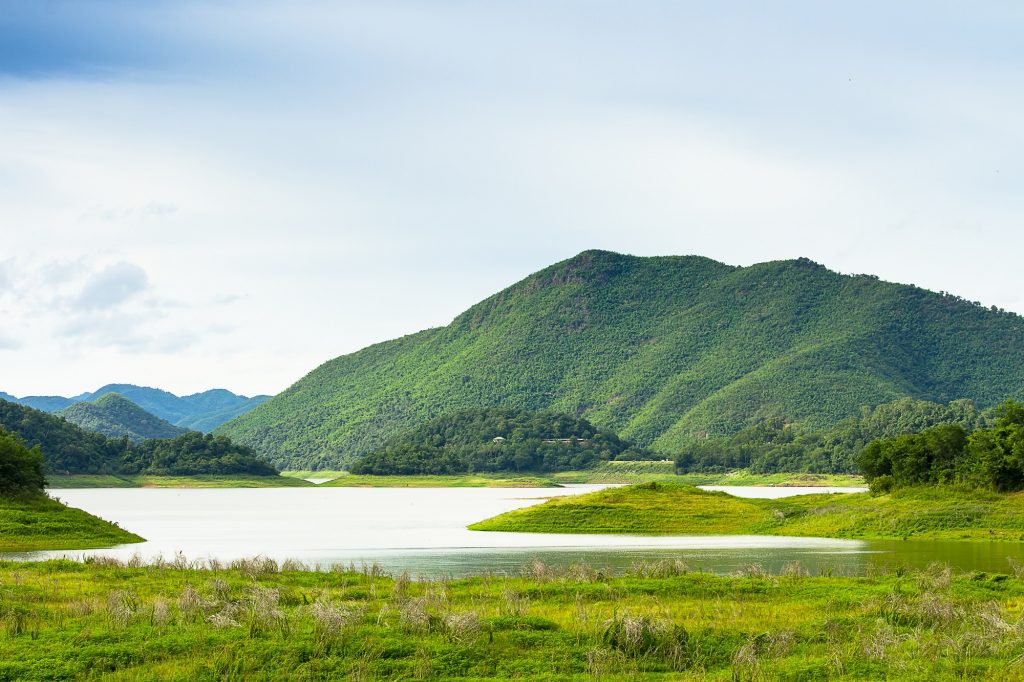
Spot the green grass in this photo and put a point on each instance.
(673, 509)
(229, 481)
(62, 620)
(38, 523)
(664, 472)
(464, 481)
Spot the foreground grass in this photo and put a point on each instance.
(466, 481)
(110, 481)
(62, 620)
(42, 523)
(672, 509)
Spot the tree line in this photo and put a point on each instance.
(497, 439)
(777, 445)
(990, 457)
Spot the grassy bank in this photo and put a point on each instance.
(110, 481)
(672, 509)
(309, 473)
(665, 472)
(608, 472)
(42, 523)
(466, 481)
(65, 620)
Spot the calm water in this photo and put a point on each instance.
(423, 531)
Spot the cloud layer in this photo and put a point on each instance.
(227, 193)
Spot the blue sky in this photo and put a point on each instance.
(198, 194)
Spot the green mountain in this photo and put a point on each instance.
(115, 416)
(69, 449)
(199, 412)
(495, 439)
(662, 351)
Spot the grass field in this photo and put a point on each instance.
(673, 509)
(664, 472)
(467, 481)
(42, 523)
(109, 481)
(254, 621)
(609, 472)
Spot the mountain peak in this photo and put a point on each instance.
(661, 350)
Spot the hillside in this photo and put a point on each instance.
(662, 351)
(199, 412)
(115, 416)
(496, 439)
(69, 449)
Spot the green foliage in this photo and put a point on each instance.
(69, 449)
(496, 439)
(662, 351)
(193, 453)
(989, 457)
(774, 445)
(115, 416)
(21, 469)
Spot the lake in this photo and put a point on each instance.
(422, 530)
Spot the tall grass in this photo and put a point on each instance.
(258, 619)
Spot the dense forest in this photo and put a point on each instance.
(775, 445)
(497, 439)
(985, 458)
(21, 469)
(69, 449)
(115, 416)
(663, 351)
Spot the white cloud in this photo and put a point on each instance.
(112, 286)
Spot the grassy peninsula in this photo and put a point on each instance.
(943, 512)
(255, 620)
(39, 522)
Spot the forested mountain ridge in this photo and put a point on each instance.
(115, 416)
(199, 412)
(660, 350)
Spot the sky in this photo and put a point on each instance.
(227, 194)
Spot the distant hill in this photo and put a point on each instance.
(496, 439)
(115, 416)
(199, 411)
(69, 449)
(662, 351)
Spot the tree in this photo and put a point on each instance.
(21, 469)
